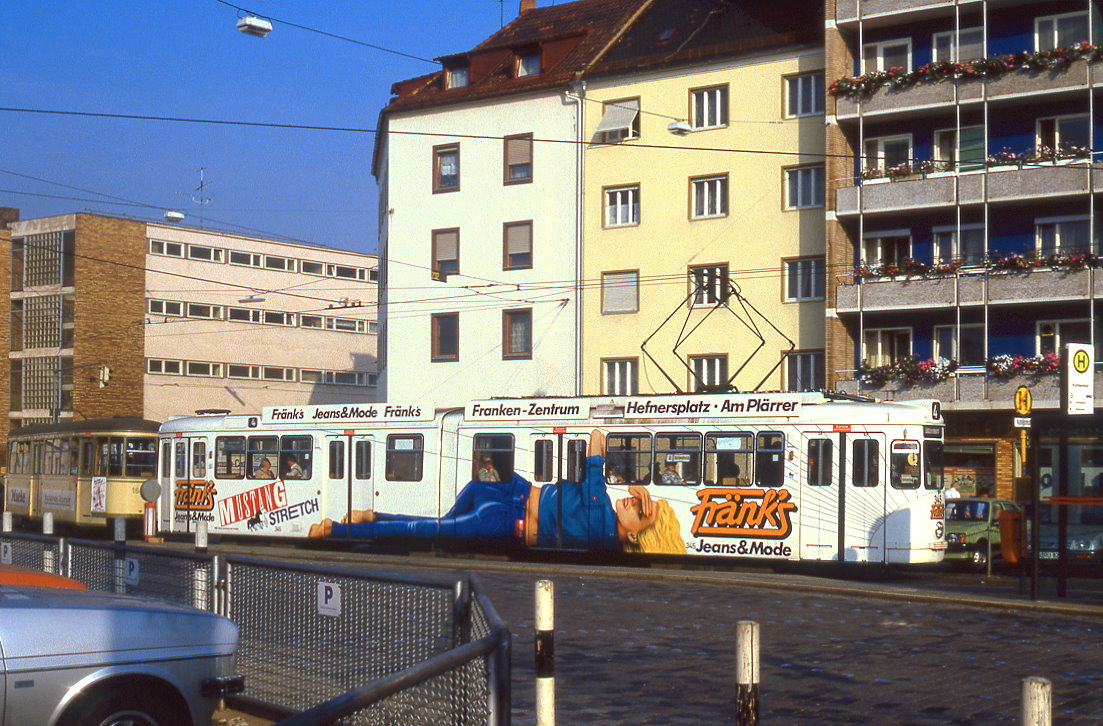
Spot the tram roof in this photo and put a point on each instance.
(121, 424)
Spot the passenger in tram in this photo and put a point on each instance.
(520, 512)
(264, 470)
(486, 471)
(291, 468)
(671, 475)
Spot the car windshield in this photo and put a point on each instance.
(964, 511)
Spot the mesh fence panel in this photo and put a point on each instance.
(31, 552)
(182, 579)
(296, 657)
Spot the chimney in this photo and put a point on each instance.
(527, 5)
(7, 216)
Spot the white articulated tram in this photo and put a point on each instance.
(796, 476)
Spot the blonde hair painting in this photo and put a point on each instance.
(664, 537)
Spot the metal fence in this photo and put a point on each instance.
(319, 644)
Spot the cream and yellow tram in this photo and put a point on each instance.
(83, 472)
(797, 476)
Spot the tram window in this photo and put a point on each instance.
(166, 459)
(88, 457)
(117, 456)
(181, 467)
(363, 460)
(229, 457)
(262, 456)
(769, 470)
(492, 457)
(336, 459)
(13, 459)
(74, 456)
(141, 457)
(819, 462)
(296, 457)
(576, 460)
(728, 458)
(404, 457)
(50, 462)
(932, 464)
(678, 457)
(904, 465)
(542, 469)
(865, 463)
(199, 460)
(628, 459)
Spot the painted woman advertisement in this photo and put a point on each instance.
(517, 511)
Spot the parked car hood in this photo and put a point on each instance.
(74, 627)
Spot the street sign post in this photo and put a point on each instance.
(1079, 379)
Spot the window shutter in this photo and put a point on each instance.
(518, 239)
(620, 292)
(448, 245)
(518, 151)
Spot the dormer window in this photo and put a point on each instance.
(457, 77)
(528, 64)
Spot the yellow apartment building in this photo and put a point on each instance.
(703, 232)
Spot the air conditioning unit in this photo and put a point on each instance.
(255, 26)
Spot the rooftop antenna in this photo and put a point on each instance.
(197, 194)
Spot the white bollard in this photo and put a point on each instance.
(7, 521)
(545, 653)
(120, 530)
(48, 523)
(201, 537)
(746, 673)
(1037, 701)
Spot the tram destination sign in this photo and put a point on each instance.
(635, 407)
(346, 413)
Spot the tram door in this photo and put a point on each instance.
(348, 476)
(184, 478)
(862, 497)
(558, 457)
(819, 498)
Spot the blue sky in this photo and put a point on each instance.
(184, 58)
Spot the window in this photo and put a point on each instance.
(243, 315)
(1065, 134)
(207, 254)
(262, 457)
(887, 54)
(164, 367)
(446, 168)
(347, 273)
(710, 107)
(1060, 31)
(404, 457)
(620, 121)
(312, 268)
(308, 375)
(805, 94)
(229, 457)
(729, 459)
(769, 469)
(543, 451)
(1062, 234)
(166, 307)
(209, 312)
(296, 457)
(1053, 335)
(804, 371)
(965, 243)
(446, 252)
(805, 186)
(710, 284)
(209, 370)
(247, 259)
(886, 152)
(362, 460)
(517, 333)
(518, 159)
(336, 459)
(498, 449)
(279, 263)
(886, 248)
(966, 156)
(167, 249)
(446, 336)
(517, 246)
(710, 197)
(964, 344)
(806, 279)
(882, 346)
(528, 64)
(710, 373)
(457, 77)
(620, 292)
(346, 325)
(968, 46)
(373, 275)
(865, 463)
(272, 317)
(621, 376)
(628, 459)
(819, 462)
(348, 378)
(678, 459)
(622, 206)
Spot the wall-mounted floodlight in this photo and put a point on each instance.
(173, 216)
(254, 298)
(256, 26)
(679, 127)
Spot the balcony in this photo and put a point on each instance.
(972, 391)
(846, 11)
(998, 184)
(968, 288)
(931, 94)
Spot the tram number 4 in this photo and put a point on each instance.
(329, 599)
(5, 553)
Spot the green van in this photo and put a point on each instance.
(971, 524)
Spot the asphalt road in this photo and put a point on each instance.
(640, 646)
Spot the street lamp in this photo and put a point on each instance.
(254, 25)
